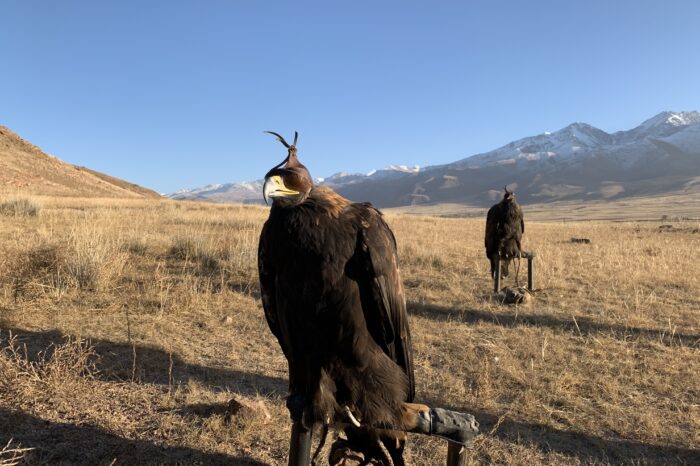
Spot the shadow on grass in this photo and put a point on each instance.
(584, 325)
(590, 448)
(148, 364)
(58, 443)
(586, 447)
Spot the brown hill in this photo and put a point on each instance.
(25, 168)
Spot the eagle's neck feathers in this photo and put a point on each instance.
(326, 200)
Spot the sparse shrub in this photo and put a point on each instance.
(38, 268)
(423, 260)
(207, 257)
(136, 246)
(241, 252)
(20, 207)
(183, 248)
(88, 260)
(437, 262)
(84, 269)
(209, 265)
(94, 259)
(56, 368)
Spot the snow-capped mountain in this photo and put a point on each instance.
(579, 161)
(251, 191)
(246, 192)
(581, 139)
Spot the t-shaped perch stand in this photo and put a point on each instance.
(530, 256)
(459, 429)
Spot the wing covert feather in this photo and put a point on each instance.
(268, 290)
(388, 320)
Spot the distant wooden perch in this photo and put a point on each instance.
(530, 256)
(581, 240)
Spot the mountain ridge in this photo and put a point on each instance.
(579, 161)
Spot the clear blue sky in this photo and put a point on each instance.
(176, 94)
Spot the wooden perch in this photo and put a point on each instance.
(459, 429)
(530, 256)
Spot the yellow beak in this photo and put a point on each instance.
(274, 187)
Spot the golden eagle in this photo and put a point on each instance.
(504, 231)
(333, 297)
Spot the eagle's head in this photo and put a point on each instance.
(508, 196)
(289, 182)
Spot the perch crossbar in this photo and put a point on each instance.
(458, 429)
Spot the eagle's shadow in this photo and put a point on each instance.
(62, 443)
(123, 361)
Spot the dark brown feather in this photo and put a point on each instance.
(332, 296)
(504, 229)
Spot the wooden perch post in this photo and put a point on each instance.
(456, 454)
(530, 270)
(300, 445)
(497, 277)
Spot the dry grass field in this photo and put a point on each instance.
(127, 326)
(674, 205)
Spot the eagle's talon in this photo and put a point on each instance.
(352, 417)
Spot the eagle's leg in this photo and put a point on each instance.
(395, 443)
(300, 398)
(300, 441)
(363, 446)
(296, 404)
(504, 270)
(451, 425)
(494, 263)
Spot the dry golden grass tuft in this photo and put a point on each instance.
(86, 260)
(11, 455)
(58, 368)
(126, 327)
(19, 207)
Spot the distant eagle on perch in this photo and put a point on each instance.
(504, 231)
(332, 296)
